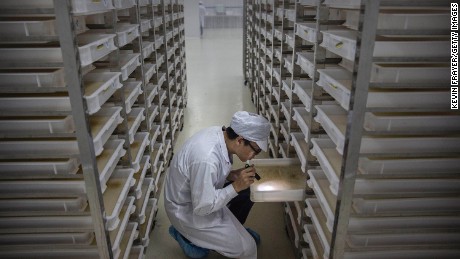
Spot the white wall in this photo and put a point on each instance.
(191, 19)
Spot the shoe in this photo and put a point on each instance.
(254, 235)
(189, 249)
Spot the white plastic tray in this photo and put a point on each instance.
(115, 195)
(327, 200)
(53, 77)
(47, 239)
(141, 141)
(108, 159)
(132, 89)
(145, 228)
(153, 113)
(92, 47)
(306, 31)
(40, 168)
(89, 6)
(289, 39)
(410, 20)
(288, 63)
(99, 86)
(157, 22)
(135, 117)
(311, 237)
(147, 48)
(142, 202)
(398, 165)
(343, 43)
(301, 147)
(139, 177)
(117, 234)
(300, 116)
(287, 87)
(42, 188)
(278, 34)
(406, 186)
(159, 40)
(329, 159)
(150, 70)
(164, 112)
(137, 252)
(39, 148)
(38, 27)
(130, 234)
(281, 180)
(145, 25)
(126, 33)
(411, 223)
(77, 204)
(318, 219)
(436, 73)
(34, 224)
(333, 119)
(406, 205)
(403, 239)
(411, 122)
(30, 104)
(128, 63)
(303, 88)
(157, 152)
(337, 82)
(103, 123)
(38, 125)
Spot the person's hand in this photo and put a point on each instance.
(243, 178)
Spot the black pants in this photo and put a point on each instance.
(241, 205)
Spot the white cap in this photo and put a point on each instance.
(252, 127)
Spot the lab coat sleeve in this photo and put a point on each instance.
(206, 199)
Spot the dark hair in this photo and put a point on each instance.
(232, 135)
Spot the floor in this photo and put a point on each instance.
(215, 91)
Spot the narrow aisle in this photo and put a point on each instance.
(215, 91)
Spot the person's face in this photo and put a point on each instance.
(247, 151)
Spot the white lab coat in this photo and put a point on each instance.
(195, 200)
(202, 13)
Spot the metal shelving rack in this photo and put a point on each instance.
(85, 134)
(380, 184)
